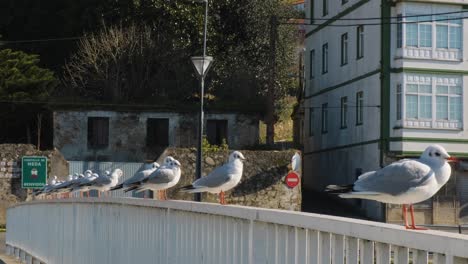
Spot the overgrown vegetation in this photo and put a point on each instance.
(208, 148)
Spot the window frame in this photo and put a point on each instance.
(359, 108)
(324, 118)
(344, 112)
(311, 64)
(344, 49)
(452, 22)
(325, 58)
(325, 6)
(93, 141)
(155, 143)
(311, 122)
(452, 89)
(360, 42)
(224, 122)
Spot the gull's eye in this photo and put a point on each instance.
(437, 154)
(430, 154)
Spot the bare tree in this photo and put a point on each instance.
(116, 64)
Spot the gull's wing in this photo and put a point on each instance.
(99, 181)
(395, 178)
(139, 176)
(216, 178)
(161, 176)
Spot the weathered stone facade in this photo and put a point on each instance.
(127, 133)
(262, 183)
(10, 176)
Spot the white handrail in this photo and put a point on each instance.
(210, 233)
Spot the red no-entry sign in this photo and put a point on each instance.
(292, 179)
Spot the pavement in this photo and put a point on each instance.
(4, 258)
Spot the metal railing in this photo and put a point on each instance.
(129, 230)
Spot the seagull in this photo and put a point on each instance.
(221, 179)
(404, 182)
(104, 183)
(41, 193)
(160, 179)
(149, 168)
(81, 184)
(296, 162)
(65, 186)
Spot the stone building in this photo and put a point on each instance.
(107, 135)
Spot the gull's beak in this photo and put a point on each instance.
(451, 159)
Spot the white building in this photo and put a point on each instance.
(379, 91)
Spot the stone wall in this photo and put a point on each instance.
(10, 172)
(262, 183)
(127, 133)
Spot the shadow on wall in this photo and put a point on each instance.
(260, 181)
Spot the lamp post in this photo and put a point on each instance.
(202, 65)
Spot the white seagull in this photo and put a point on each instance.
(164, 177)
(104, 183)
(404, 182)
(296, 162)
(81, 184)
(148, 169)
(221, 179)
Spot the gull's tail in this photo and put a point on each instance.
(117, 187)
(131, 188)
(339, 188)
(190, 189)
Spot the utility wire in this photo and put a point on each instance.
(376, 18)
(372, 24)
(2, 42)
(37, 40)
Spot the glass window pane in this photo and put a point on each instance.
(454, 19)
(412, 88)
(411, 17)
(455, 37)
(425, 107)
(411, 106)
(455, 90)
(399, 31)
(442, 107)
(442, 36)
(442, 89)
(411, 35)
(427, 18)
(455, 108)
(425, 88)
(425, 35)
(441, 19)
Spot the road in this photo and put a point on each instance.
(5, 259)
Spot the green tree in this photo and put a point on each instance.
(24, 87)
(239, 38)
(22, 79)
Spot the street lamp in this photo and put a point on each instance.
(202, 65)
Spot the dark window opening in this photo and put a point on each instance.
(216, 131)
(157, 132)
(98, 132)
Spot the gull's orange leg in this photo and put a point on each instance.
(405, 217)
(222, 198)
(413, 226)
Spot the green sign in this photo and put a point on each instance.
(33, 172)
